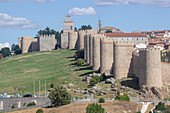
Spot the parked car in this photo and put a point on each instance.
(27, 95)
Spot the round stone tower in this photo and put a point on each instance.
(91, 49)
(87, 49)
(123, 56)
(106, 55)
(81, 35)
(72, 40)
(96, 53)
(150, 67)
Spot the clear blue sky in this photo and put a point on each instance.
(26, 17)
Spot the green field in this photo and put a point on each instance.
(17, 73)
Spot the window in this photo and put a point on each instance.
(68, 27)
(71, 27)
(65, 27)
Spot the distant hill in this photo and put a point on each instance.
(17, 73)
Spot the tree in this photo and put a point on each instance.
(48, 31)
(75, 29)
(160, 106)
(101, 100)
(16, 48)
(59, 96)
(51, 85)
(84, 27)
(5, 51)
(12, 48)
(108, 31)
(94, 108)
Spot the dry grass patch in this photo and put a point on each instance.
(111, 107)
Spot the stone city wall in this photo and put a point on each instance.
(165, 73)
(21, 103)
(72, 40)
(64, 40)
(123, 56)
(26, 44)
(106, 56)
(150, 67)
(46, 42)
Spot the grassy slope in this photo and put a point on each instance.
(55, 67)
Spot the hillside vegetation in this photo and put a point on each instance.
(17, 73)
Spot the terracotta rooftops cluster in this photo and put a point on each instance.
(124, 35)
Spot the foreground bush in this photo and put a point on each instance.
(39, 111)
(160, 107)
(79, 54)
(31, 104)
(59, 96)
(95, 80)
(94, 108)
(124, 97)
(80, 62)
(101, 100)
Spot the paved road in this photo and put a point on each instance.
(145, 106)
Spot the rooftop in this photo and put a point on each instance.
(125, 35)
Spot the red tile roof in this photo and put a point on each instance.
(125, 35)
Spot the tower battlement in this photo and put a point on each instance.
(124, 43)
(46, 35)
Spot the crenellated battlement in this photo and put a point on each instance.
(149, 49)
(47, 35)
(124, 43)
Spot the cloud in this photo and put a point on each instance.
(40, 1)
(6, 44)
(7, 21)
(82, 11)
(159, 3)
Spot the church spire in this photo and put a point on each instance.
(99, 25)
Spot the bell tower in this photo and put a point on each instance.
(99, 25)
(68, 25)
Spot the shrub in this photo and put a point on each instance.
(79, 54)
(59, 96)
(124, 97)
(51, 85)
(95, 80)
(138, 112)
(101, 100)
(39, 111)
(160, 106)
(31, 104)
(80, 62)
(94, 108)
(14, 106)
